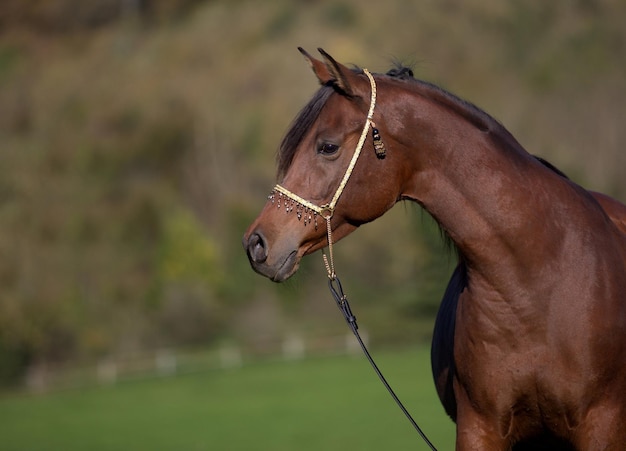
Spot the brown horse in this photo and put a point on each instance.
(536, 351)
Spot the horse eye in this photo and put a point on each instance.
(327, 148)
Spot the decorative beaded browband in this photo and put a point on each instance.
(309, 211)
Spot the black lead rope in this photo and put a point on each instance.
(342, 302)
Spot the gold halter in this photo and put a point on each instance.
(304, 207)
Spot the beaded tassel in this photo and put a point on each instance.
(289, 205)
(379, 146)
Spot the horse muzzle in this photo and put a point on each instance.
(277, 266)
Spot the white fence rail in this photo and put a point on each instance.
(170, 362)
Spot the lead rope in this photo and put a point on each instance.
(336, 290)
(326, 212)
(330, 267)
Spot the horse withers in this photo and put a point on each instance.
(529, 348)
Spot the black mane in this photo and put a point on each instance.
(311, 111)
(401, 72)
(299, 127)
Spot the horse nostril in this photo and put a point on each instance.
(256, 248)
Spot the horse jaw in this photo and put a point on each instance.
(282, 272)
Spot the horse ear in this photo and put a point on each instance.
(319, 68)
(331, 71)
(340, 73)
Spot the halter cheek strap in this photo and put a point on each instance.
(326, 210)
(309, 210)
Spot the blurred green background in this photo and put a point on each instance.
(137, 142)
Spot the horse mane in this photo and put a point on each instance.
(299, 127)
(461, 107)
(467, 110)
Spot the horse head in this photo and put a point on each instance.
(316, 158)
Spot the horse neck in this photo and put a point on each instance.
(482, 189)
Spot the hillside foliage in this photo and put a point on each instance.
(138, 140)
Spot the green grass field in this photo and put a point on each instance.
(331, 403)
